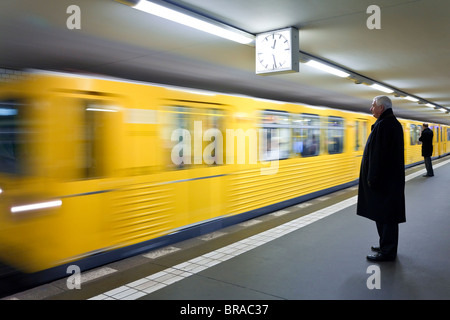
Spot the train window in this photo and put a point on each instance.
(448, 134)
(192, 136)
(306, 135)
(364, 133)
(415, 131)
(176, 130)
(418, 134)
(360, 134)
(413, 134)
(335, 135)
(12, 137)
(296, 135)
(275, 136)
(94, 138)
(213, 137)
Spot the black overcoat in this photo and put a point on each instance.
(427, 142)
(381, 195)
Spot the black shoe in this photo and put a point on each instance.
(428, 175)
(378, 257)
(376, 249)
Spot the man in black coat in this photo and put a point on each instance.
(427, 149)
(381, 195)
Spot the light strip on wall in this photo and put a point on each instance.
(36, 206)
(193, 91)
(326, 68)
(170, 12)
(101, 110)
(268, 100)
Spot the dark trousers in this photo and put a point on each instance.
(428, 166)
(388, 233)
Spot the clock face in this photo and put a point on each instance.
(277, 51)
(273, 52)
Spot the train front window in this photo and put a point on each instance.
(11, 137)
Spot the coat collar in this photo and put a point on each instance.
(386, 114)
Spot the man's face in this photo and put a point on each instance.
(376, 109)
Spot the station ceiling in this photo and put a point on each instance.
(411, 51)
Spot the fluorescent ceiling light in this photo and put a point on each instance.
(381, 88)
(430, 105)
(411, 99)
(167, 11)
(36, 206)
(326, 68)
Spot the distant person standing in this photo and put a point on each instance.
(427, 149)
(381, 194)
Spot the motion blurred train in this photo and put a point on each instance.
(95, 169)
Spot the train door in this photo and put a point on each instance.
(436, 141)
(193, 141)
(26, 205)
(447, 140)
(58, 154)
(85, 162)
(360, 135)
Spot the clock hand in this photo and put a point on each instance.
(274, 43)
(274, 61)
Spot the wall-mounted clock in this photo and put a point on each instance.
(277, 51)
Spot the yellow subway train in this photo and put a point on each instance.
(95, 169)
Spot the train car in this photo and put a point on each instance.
(97, 169)
(412, 131)
(441, 135)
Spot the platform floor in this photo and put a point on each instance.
(315, 250)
